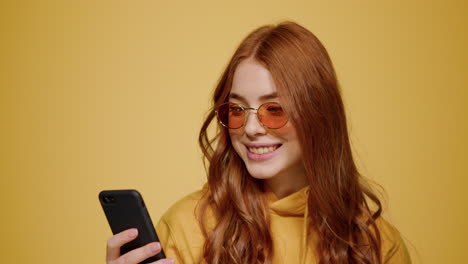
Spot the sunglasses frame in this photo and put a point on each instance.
(247, 112)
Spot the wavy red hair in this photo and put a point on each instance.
(339, 213)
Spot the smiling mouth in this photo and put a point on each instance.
(263, 150)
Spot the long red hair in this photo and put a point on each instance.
(338, 212)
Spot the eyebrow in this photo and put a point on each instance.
(263, 97)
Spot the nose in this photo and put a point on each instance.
(253, 127)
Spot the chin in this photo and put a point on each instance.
(261, 173)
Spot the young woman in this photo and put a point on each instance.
(282, 183)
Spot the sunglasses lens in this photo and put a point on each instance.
(231, 115)
(272, 115)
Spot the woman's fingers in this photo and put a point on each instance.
(140, 254)
(135, 256)
(117, 241)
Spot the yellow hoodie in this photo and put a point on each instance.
(182, 239)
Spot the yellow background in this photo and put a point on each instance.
(111, 94)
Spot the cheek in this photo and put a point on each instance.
(233, 133)
(288, 131)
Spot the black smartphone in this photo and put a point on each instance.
(126, 209)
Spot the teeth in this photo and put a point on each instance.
(262, 150)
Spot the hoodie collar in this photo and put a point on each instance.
(292, 205)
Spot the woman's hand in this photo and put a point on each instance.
(135, 256)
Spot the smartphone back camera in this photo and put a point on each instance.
(108, 199)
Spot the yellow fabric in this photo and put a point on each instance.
(182, 239)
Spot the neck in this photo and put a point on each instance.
(285, 184)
